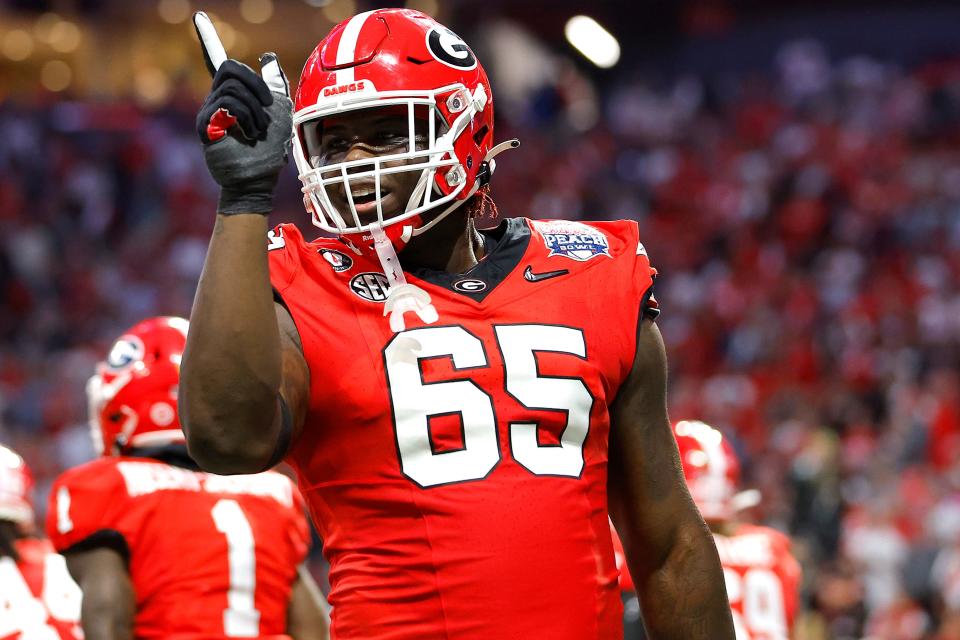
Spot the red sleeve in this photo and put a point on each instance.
(645, 274)
(86, 503)
(284, 243)
(300, 531)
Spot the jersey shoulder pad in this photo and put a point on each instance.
(629, 232)
(285, 245)
(581, 241)
(84, 501)
(643, 271)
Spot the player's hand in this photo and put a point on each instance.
(245, 124)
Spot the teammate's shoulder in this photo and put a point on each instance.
(99, 471)
(86, 500)
(268, 485)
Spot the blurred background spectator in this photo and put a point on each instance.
(796, 177)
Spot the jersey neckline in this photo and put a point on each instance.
(507, 243)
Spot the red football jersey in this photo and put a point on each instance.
(457, 471)
(763, 582)
(209, 556)
(38, 599)
(762, 579)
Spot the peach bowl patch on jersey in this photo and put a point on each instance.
(574, 240)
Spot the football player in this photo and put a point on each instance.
(456, 403)
(38, 599)
(160, 548)
(762, 576)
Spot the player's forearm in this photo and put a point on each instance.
(685, 596)
(231, 369)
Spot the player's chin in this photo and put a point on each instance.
(366, 208)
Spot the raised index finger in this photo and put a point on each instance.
(213, 52)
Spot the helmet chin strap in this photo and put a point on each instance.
(402, 296)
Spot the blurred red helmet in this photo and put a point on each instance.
(133, 395)
(16, 488)
(710, 467)
(404, 60)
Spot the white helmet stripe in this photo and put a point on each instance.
(347, 47)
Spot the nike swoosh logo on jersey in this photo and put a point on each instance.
(530, 276)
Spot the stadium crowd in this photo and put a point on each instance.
(805, 222)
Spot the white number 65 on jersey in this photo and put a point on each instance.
(415, 402)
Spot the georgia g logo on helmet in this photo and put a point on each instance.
(450, 49)
(124, 352)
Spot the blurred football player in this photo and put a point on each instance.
(448, 397)
(38, 599)
(159, 548)
(762, 576)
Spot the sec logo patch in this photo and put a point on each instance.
(370, 286)
(337, 259)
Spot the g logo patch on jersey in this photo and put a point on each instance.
(337, 259)
(574, 240)
(371, 286)
(470, 285)
(450, 49)
(124, 352)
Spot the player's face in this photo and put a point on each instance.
(363, 135)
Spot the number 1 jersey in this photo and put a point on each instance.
(209, 556)
(457, 471)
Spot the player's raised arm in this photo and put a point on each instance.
(243, 383)
(670, 552)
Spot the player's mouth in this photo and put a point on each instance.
(365, 202)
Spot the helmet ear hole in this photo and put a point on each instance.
(115, 418)
(479, 136)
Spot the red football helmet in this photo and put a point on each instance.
(406, 62)
(16, 488)
(133, 395)
(710, 467)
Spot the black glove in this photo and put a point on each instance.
(245, 124)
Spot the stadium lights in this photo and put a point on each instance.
(595, 43)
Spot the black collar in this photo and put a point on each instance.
(505, 245)
(173, 454)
